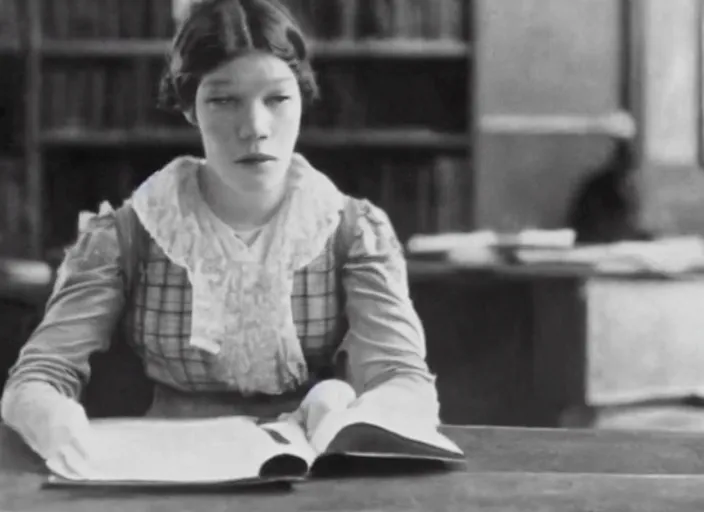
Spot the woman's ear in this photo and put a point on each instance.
(190, 116)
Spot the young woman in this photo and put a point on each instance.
(254, 272)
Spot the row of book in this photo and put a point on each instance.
(420, 194)
(108, 19)
(12, 103)
(425, 196)
(10, 22)
(386, 19)
(14, 225)
(321, 19)
(118, 94)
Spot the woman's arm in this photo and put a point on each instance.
(53, 366)
(385, 343)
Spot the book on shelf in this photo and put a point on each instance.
(109, 19)
(162, 18)
(9, 23)
(336, 438)
(327, 20)
(13, 208)
(448, 173)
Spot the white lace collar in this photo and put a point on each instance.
(242, 306)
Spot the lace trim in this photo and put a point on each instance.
(241, 306)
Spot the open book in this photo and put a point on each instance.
(243, 450)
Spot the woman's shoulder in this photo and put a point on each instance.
(103, 236)
(97, 241)
(367, 228)
(362, 213)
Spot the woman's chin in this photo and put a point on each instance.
(258, 179)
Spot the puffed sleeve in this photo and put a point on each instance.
(385, 344)
(79, 319)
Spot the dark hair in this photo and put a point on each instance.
(215, 31)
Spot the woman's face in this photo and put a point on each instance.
(248, 112)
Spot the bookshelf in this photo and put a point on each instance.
(394, 123)
(400, 49)
(312, 137)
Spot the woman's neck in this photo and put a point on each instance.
(236, 208)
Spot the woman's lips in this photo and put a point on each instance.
(255, 158)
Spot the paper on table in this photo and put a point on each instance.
(175, 451)
(666, 256)
(445, 242)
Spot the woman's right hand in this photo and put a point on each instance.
(327, 396)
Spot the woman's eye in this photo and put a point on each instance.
(224, 100)
(279, 98)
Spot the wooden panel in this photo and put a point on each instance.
(548, 56)
(559, 351)
(553, 59)
(673, 198)
(480, 356)
(672, 182)
(671, 81)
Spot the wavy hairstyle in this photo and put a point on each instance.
(215, 31)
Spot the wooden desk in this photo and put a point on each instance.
(518, 345)
(509, 469)
(508, 343)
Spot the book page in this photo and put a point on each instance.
(177, 451)
(330, 395)
(410, 431)
(295, 436)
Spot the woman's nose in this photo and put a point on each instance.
(255, 123)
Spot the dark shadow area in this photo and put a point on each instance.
(345, 466)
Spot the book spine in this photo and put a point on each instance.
(385, 18)
(430, 19)
(132, 19)
(113, 110)
(111, 19)
(96, 15)
(84, 97)
(9, 20)
(82, 21)
(14, 220)
(60, 98)
(459, 20)
(142, 100)
(59, 12)
(47, 95)
(349, 16)
(49, 15)
(400, 22)
(452, 20)
(387, 189)
(415, 18)
(448, 187)
(161, 19)
(423, 199)
(372, 17)
(126, 97)
(97, 103)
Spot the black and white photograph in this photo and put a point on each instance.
(352, 255)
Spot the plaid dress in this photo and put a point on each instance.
(157, 319)
(129, 354)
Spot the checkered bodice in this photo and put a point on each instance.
(158, 320)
